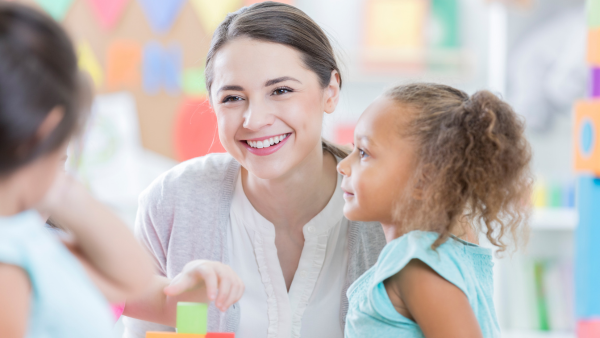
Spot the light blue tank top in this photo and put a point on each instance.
(64, 302)
(466, 265)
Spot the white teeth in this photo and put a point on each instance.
(267, 142)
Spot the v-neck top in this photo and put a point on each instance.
(311, 307)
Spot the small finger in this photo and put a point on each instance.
(224, 291)
(234, 295)
(210, 280)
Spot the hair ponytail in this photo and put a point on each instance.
(473, 162)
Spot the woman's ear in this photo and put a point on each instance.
(332, 92)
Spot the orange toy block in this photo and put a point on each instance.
(123, 64)
(174, 335)
(593, 47)
(587, 137)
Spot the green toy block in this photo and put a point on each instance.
(192, 317)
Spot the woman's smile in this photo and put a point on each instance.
(266, 145)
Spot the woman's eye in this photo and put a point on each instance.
(231, 99)
(282, 90)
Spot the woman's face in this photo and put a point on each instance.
(269, 105)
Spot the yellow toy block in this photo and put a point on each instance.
(173, 335)
(587, 137)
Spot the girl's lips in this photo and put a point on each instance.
(347, 194)
(265, 151)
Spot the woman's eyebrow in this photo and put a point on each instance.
(281, 79)
(230, 87)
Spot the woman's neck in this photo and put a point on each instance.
(294, 199)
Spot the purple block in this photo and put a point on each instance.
(595, 88)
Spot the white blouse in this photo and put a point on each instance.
(312, 307)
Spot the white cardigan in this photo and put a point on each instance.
(184, 215)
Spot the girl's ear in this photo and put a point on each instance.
(332, 92)
(49, 124)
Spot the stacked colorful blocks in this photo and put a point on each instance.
(587, 166)
(191, 323)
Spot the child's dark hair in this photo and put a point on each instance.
(472, 163)
(38, 72)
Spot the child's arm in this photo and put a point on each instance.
(200, 281)
(439, 307)
(102, 239)
(15, 296)
(113, 294)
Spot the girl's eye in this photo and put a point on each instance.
(231, 99)
(282, 90)
(362, 153)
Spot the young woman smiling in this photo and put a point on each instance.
(268, 213)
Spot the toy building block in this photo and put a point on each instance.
(593, 47)
(587, 250)
(191, 323)
(589, 328)
(173, 335)
(587, 137)
(595, 83)
(192, 317)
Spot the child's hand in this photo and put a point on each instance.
(217, 278)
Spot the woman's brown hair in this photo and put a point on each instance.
(283, 24)
(472, 163)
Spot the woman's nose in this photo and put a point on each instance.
(258, 116)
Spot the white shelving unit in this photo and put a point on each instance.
(552, 233)
(537, 334)
(554, 219)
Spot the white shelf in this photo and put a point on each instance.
(554, 219)
(537, 334)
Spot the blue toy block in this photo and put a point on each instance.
(587, 250)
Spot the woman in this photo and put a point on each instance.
(269, 211)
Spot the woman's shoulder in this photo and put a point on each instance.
(199, 175)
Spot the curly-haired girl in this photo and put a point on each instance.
(436, 168)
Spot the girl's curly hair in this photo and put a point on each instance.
(472, 164)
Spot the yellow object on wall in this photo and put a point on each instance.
(212, 12)
(89, 63)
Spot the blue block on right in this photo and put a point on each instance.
(587, 248)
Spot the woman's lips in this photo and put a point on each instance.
(269, 149)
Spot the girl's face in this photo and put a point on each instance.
(269, 105)
(381, 164)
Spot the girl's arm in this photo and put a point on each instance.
(103, 240)
(113, 294)
(200, 281)
(439, 307)
(15, 296)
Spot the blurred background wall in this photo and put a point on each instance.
(146, 59)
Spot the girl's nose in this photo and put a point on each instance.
(343, 167)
